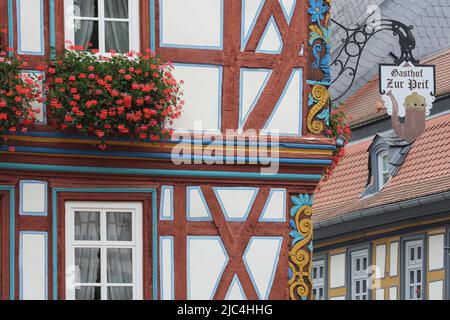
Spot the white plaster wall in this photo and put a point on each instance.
(235, 292)
(206, 262)
(261, 260)
(196, 23)
(166, 203)
(253, 82)
(288, 7)
(33, 197)
(236, 203)
(167, 268)
(203, 96)
(33, 266)
(271, 41)
(275, 207)
(30, 15)
(197, 207)
(250, 13)
(286, 118)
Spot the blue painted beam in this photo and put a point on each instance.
(160, 172)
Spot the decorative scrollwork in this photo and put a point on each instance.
(320, 77)
(320, 98)
(348, 56)
(300, 255)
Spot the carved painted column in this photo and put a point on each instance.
(300, 255)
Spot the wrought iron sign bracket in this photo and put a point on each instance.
(349, 56)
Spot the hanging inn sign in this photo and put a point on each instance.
(408, 92)
(407, 88)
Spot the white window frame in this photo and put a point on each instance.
(318, 280)
(359, 276)
(136, 244)
(133, 20)
(381, 171)
(414, 265)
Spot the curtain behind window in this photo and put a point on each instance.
(84, 29)
(116, 33)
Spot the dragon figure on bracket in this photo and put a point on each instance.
(320, 71)
(300, 255)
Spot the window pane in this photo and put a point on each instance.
(86, 34)
(321, 296)
(419, 276)
(321, 272)
(419, 292)
(118, 226)
(315, 293)
(364, 286)
(365, 264)
(419, 253)
(358, 287)
(412, 293)
(358, 264)
(411, 277)
(88, 262)
(87, 226)
(120, 293)
(120, 266)
(116, 9)
(385, 163)
(88, 293)
(85, 8)
(117, 37)
(411, 258)
(315, 273)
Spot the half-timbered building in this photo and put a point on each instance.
(128, 223)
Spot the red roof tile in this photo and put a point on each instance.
(426, 171)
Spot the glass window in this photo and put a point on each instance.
(104, 251)
(105, 25)
(414, 270)
(318, 271)
(359, 275)
(383, 170)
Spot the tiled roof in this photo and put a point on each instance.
(426, 171)
(366, 103)
(430, 19)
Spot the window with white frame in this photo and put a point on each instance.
(318, 277)
(105, 25)
(383, 169)
(414, 270)
(103, 251)
(359, 275)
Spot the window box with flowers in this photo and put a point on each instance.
(133, 95)
(18, 91)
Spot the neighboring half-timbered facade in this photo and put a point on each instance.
(132, 222)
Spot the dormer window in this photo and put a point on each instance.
(386, 156)
(104, 25)
(383, 169)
